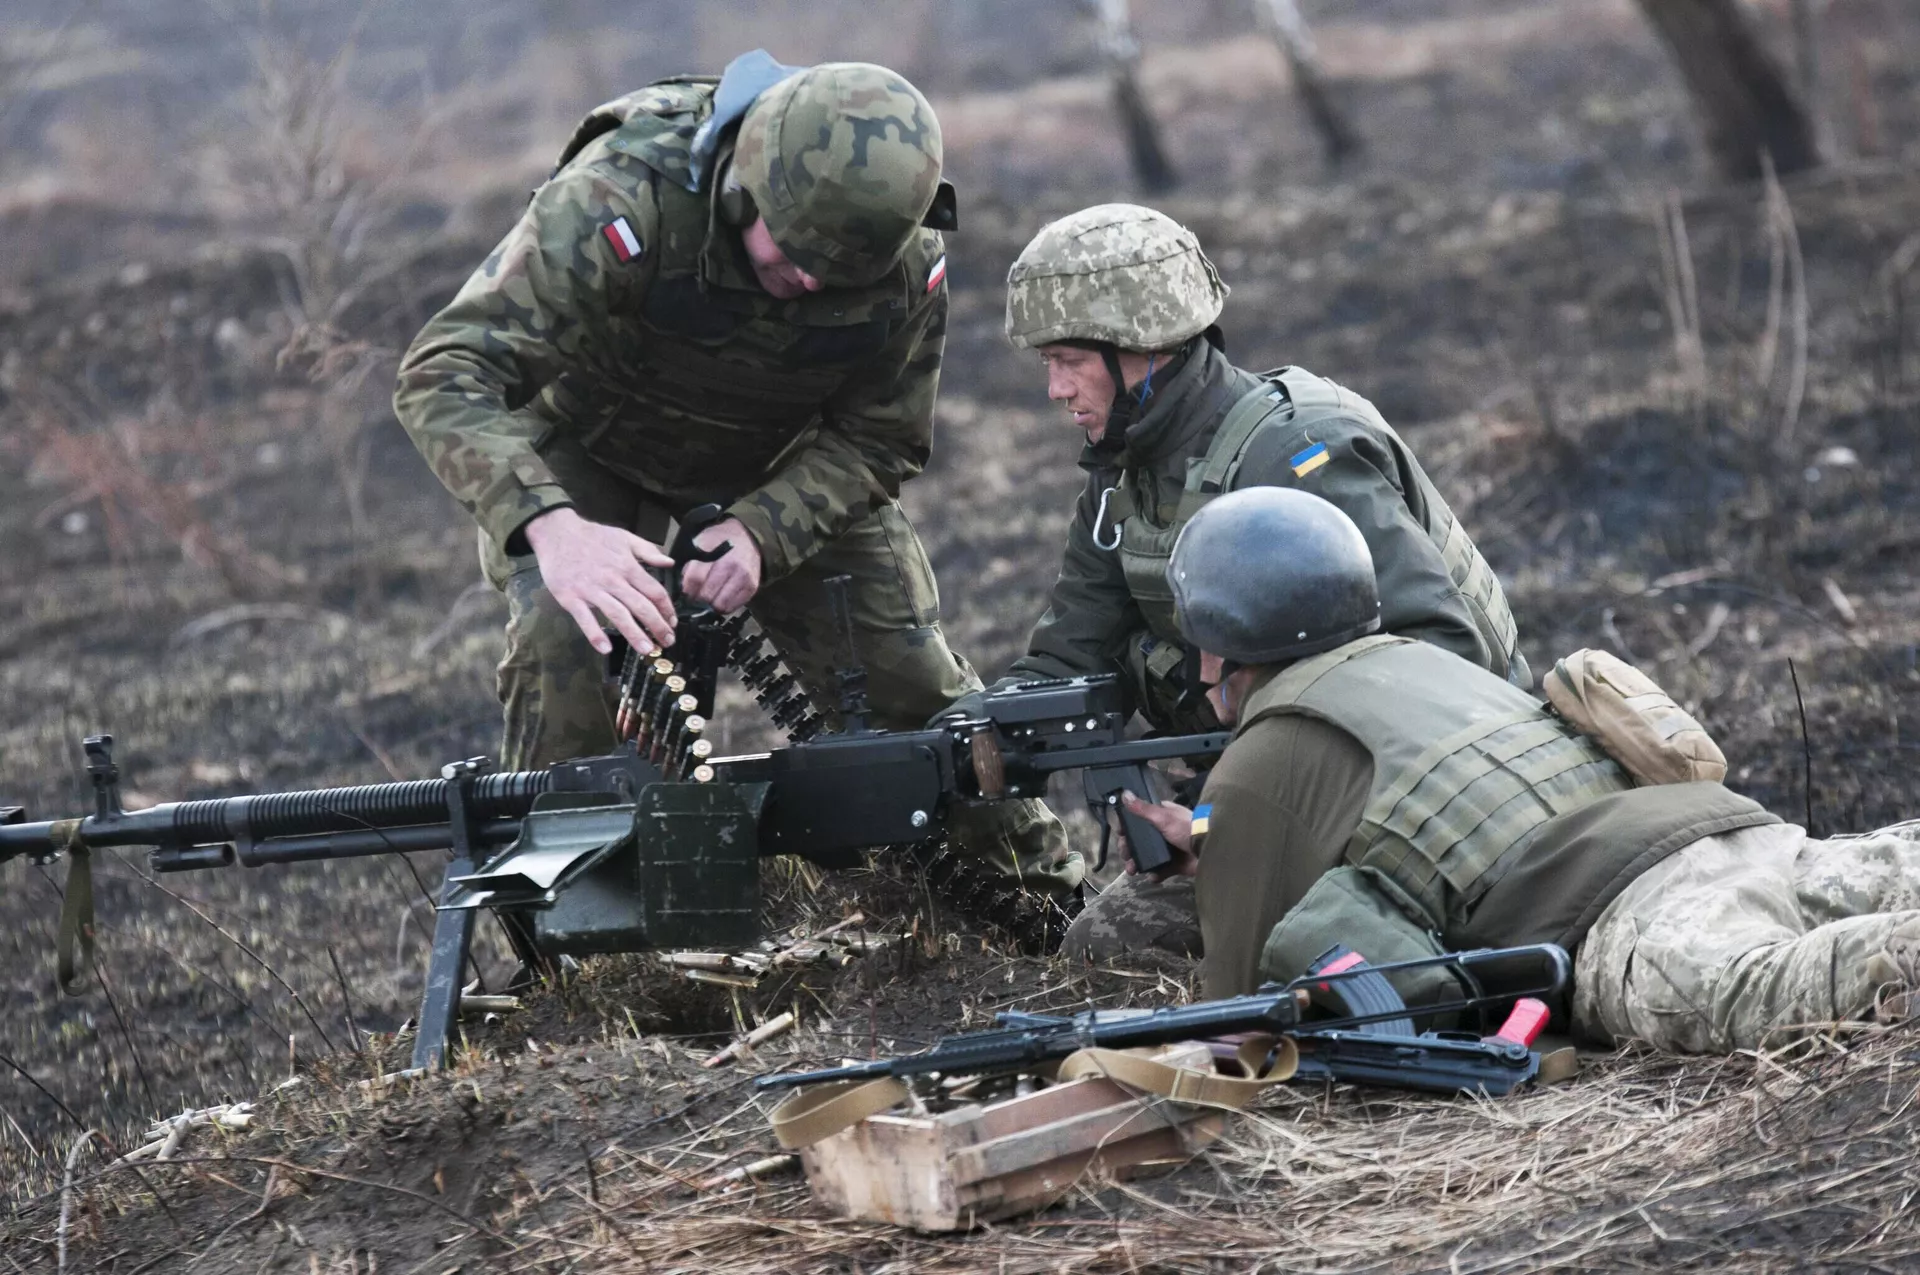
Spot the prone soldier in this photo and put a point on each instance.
(1122, 306)
(1387, 794)
(730, 291)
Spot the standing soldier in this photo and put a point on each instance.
(728, 292)
(1121, 304)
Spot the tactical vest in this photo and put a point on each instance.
(714, 383)
(1146, 544)
(1466, 768)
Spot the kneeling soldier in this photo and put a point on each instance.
(1121, 304)
(729, 292)
(1389, 795)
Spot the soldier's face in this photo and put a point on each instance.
(777, 275)
(1225, 696)
(1078, 380)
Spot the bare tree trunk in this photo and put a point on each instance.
(1745, 103)
(1150, 163)
(1338, 136)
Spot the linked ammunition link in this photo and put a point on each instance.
(774, 686)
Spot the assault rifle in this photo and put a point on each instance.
(654, 845)
(1365, 1033)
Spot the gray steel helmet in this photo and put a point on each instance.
(1115, 274)
(1269, 574)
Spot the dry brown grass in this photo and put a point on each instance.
(1503, 304)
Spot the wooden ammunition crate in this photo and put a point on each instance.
(977, 1163)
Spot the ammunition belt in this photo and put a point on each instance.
(1035, 921)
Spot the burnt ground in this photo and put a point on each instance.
(232, 560)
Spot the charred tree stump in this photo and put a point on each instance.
(1338, 137)
(1150, 163)
(1746, 104)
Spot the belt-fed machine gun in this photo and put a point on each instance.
(654, 845)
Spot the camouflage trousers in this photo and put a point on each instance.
(1135, 913)
(1735, 940)
(557, 701)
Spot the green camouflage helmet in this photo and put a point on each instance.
(1115, 273)
(843, 162)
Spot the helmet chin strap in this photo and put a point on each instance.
(1192, 692)
(1127, 405)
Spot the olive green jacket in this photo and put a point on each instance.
(1287, 838)
(1094, 623)
(623, 312)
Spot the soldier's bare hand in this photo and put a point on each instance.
(730, 581)
(1175, 824)
(590, 567)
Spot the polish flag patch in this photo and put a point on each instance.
(937, 275)
(626, 244)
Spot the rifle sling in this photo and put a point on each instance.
(807, 1116)
(76, 920)
(1184, 1084)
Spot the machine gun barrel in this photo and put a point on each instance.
(261, 817)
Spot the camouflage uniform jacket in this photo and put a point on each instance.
(1098, 620)
(623, 310)
(1336, 816)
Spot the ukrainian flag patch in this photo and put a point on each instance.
(1200, 817)
(1306, 462)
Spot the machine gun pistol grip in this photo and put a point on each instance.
(1104, 785)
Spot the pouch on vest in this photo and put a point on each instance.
(1364, 909)
(1154, 668)
(1634, 720)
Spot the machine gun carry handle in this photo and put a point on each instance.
(695, 521)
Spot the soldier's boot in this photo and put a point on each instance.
(1135, 914)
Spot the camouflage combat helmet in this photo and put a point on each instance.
(843, 162)
(1270, 573)
(1115, 274)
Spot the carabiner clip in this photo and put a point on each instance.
(1101, 517)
